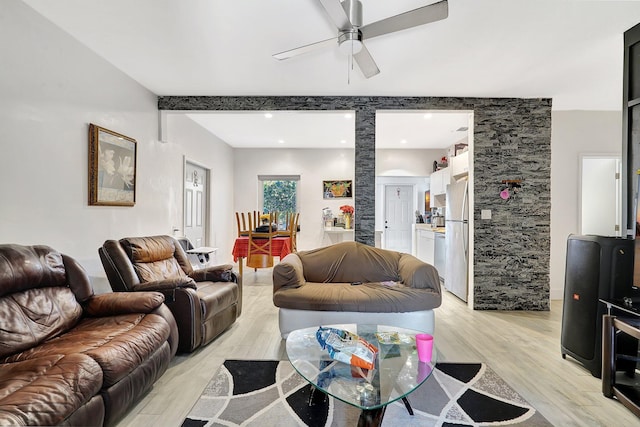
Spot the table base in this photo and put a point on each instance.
(371, 417)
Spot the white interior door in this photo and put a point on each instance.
(600, 194)
(195, 204)
(398, 217)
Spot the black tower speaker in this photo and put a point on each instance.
(597, 267)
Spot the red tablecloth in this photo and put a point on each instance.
(280, 247)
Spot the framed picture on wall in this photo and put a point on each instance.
(112, 168)
(337, 189)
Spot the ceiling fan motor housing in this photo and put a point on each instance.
(353, 9)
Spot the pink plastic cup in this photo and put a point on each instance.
(424, 370)
(424, 344)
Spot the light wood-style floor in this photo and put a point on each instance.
(522, 347)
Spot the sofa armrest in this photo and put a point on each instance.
(218, 273)
(165, 284)
(288, 273)
(114, 303)
(418, 274)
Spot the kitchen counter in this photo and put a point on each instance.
(338, 230)
(429, 227)
(333, 235)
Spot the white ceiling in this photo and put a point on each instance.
(568, 50)
(303, 129)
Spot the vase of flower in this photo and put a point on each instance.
(347, 212)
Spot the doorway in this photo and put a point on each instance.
(398, 217)
(196, 203)
(600, 195)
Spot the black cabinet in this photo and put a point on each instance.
(625, 387)
(631, 125)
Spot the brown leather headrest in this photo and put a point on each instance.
(28, 267)
(148, 249)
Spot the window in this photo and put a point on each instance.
(279, 194)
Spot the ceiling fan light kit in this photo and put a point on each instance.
(347, 17)
(350, 43)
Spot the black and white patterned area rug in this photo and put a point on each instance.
(264, 393)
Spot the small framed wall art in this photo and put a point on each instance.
(337, 189)
(112, 168)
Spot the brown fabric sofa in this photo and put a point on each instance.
(204, 302)
(67, 356)
(351, 282)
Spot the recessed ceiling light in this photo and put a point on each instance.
(343, 141)
(403, 141)
(348, 116)
(268, 115)
(281, 141)
(428, 116)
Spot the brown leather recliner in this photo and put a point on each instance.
(67, 356)
(204, 302)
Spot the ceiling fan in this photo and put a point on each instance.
(347, 17)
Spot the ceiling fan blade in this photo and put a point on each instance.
(413, 18)
(304, 49)
(337, 14)
(366, 63)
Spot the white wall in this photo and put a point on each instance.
(201, 147)
(574, 133)
(316, 165)
(51, 88)
(313, 166)
(407, 162)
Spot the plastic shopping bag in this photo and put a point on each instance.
(347, 347)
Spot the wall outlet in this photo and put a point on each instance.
(485, 214)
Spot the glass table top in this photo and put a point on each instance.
(397, 370)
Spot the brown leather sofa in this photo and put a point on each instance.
(67, 356)
(204, 302)
(351, 282)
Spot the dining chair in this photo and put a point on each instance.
(243, 230)
(291, 229)
(247, 222)
(294, 233)
(260, 253)
(255, 222)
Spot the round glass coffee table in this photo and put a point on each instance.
(397, 370)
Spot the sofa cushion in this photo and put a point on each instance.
(289, 273)
(28, 267)
(119, 344)
(153, 258)
(368, 297)
(166, 269)
(350, 262)
(216, 297)
(417, 274)
(33, 316)
(46, 390)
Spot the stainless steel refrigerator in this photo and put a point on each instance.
(456, 277)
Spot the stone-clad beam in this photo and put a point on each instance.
(512, 140)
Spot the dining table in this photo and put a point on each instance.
(280, 247)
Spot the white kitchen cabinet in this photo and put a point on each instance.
(460, 165)
(439, 181)
(425, 245)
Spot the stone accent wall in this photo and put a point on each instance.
(512, 140)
